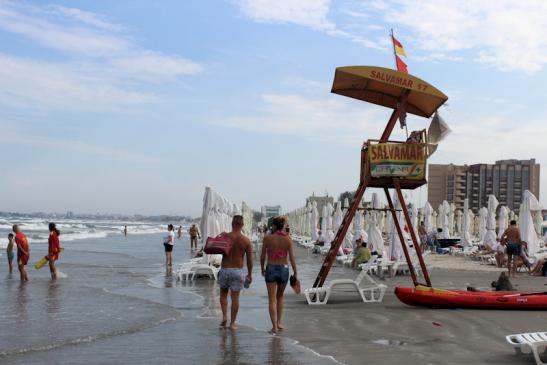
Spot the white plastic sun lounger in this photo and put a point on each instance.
(190, 272)
(536, 342)
(369, 290)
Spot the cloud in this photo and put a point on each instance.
(307, 13)
(106, 61)
(77, 147)
(31, 84)
(506, 34)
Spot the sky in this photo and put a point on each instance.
(134, 106)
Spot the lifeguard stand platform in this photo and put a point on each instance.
(387, 164)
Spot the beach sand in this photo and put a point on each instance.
(117, 306)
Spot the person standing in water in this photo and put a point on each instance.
(125, 231)
(511, 239)
(9, 251)
(276, 247)
(230, 277)
(194, 234)
(179, 233)
(54, 248)
(168, 243)
(23, 251)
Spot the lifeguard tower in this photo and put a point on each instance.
(388, 164)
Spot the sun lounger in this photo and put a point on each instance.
(364, 285)
(191, 272)
(536, 342)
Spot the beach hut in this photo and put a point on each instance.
(526, 223)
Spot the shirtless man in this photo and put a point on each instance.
(194, 234)
(511, 239)
(230, 276)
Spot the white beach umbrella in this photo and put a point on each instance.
(338, 216)
(375, 239)
(395, 247)
(471, 222)
(538, 221)
(490, 238)
(502, 220)
(458, 223)
(526, 224)
(483, 213)
(512, 215)
(434, 220)
(324, 223)
(414, 220)
(445, 211)
(440, 216)
(451, 219)
(465, 236)
(330, 234)
(428, 211)
(314, 221)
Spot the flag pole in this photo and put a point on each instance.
(394, 52)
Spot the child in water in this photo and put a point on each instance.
(23, 251)
(9, 251)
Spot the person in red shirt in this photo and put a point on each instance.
(23, 251)
(53, 249)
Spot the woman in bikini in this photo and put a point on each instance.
(278, 249)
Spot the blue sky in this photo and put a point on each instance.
(135, 106)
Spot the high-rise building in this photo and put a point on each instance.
(269, 211)
(506, 179)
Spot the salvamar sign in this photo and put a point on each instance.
(406, 160)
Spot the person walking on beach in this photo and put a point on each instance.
(179, 233)
(276, 247)
(511, 239)
(230, 277)
(422, 232)
(54, 248)
(168, 243)
(23, 251)
(9, 251)
(194, 234)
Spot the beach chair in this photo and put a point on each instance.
(368, 289)
(191, 272)
(535, 342)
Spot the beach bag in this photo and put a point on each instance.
(219, 245)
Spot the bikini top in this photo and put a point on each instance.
(278, 254)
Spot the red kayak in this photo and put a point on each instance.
(442, 298)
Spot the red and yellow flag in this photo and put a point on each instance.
(401, 66)
(398, 47)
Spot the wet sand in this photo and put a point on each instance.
(392, 332)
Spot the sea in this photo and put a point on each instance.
(115, 303)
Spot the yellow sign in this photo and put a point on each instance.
(405, 160)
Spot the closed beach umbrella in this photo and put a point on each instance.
(375, 239)
(445, 219)
(428, 210)
(471, 222)
(458, 224)
(314, 221)
(434, 221)
(324, 222)
(483, 213)
(465, 236)
(330, 233)
(440, 216)
(451, 220)
(526, 224)
(538, 222)
(490, 238)
(502, 221)
(395, 247)
(414, 220)
(338, 216)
